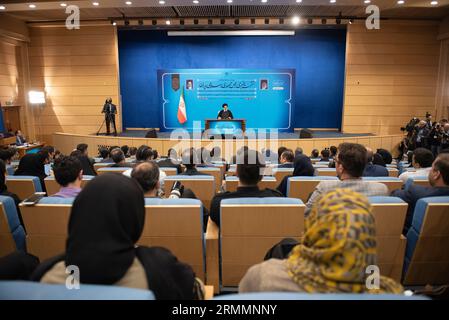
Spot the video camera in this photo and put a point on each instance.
(410, 125)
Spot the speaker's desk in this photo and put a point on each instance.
(218, 126)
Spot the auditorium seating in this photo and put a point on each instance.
(47, 224)
(53, 187)
(169, 171)
(27, 290)
(392, 183)
(389, 214)
(176, 224)
(280, 173)
(302, 187)
(427, 254)
(202, 186)
(420, 181)
(10, 170)
(12, 234)
(327, 172)
(393, 172)
(215, 172)
(316, 296)
(254, 225)
(101, 165)
(23, 186)
(266, 182)
(119, 170)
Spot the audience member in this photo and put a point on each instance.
(439, 181)
(190, 159)
(339, 244)
(281, 150)
(371, 169)
(51, 152)
(147, 175)
(379, 160)
(68, 174)
(119, 159)
(104, 154)
(286, 159)
(422, 162)
(325, 155)
(386, 155)
(349, 163)
(315, 154)
(103, 245)
(88, 167)
(8, 154)
(132, 152)
(33, 164)
(170, 161)
(333, 151)
(20, 139)
(250, 166)
(298, 151)
(302, 167)
(144, 153)
(125, 150)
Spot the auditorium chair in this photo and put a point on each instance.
(118, 170)
(392, 183)
(327, 172)
(215, 172)
(12, 234)
(23, 186)
(169, 171)
(316, 296)
(265, 183)
(47, 224)
(10, 170)
(101, 165)
(281, 173)
(249, 228)
(27, 290)
(393, 172)
(202, 186)
(302, 187)
(420, 181)
(176, 224)
(389, 214)
(53, 187)
(427, 254)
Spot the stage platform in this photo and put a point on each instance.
(323, 134)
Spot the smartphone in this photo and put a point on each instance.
(35, 198)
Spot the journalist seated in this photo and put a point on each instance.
(349, 164)
(250, 165)
(170, 161)
(286, 159)
(119, 159)
(339, 244)
(422, 162)
(371, 169)
(190, 159)
(439, 181)
(68, 173)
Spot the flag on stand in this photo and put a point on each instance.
(182, 113)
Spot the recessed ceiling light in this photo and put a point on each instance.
(95, 3)
(168, 22)
(401, 2)
(114, 23)
(296, 20)
(229, 1)
(367, 1)
(298, 1)
(162, 2)
(434, 3)
(2, 8)
(196, 1)
(333, 1)
(63, 5)
(32, 6)
(128, 3)
(264, 1)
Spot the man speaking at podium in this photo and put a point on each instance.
(225, 114)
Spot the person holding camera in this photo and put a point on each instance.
(422, 134)
(445, 137)
(435, 137)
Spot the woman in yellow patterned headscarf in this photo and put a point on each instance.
(339, 244)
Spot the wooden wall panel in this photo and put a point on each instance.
(78, 70)
(391, 75)
(11, 88)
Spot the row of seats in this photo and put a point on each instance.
(251, 224)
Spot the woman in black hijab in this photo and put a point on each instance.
(379, 160)
(88, 168)
(302, 167)
(106, 221)
(34, 165)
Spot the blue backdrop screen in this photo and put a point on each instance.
(317, 56)
(250, 94)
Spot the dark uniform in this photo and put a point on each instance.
(109, 111)
(225, 115)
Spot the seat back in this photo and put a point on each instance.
(250, 227)
(266, 182)
(119, 170)
(176, 224)
(12, 235)
(202, 186)
(327, 172)
(392, 183)
(27, 290)
(389, 214)
(47, 226)
(281, 173)
(169, 171)
(216, 173)
(393, 172)
(101, 165)
(316, 296)
(302, 187)
(427, 254)
(420, 181)
(53, 187)
(23, 186)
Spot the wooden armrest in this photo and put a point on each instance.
(212, 230)
(209, 294)
(212, 256)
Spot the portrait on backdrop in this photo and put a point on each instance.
(189, 85)
(263, 84)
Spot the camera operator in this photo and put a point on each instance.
(422, 135)
(435, 138)
(445, 137)
(429, 121)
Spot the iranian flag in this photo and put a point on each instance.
(182, 113)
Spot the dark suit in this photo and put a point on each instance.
(413, 194)
(242, 192)
(193, 172)
(168, 163)
(285, 165)
(375, 170)
(225, 114)
(110, 110)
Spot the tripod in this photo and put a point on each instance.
(98, 132)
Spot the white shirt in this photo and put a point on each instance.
(421, 172)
